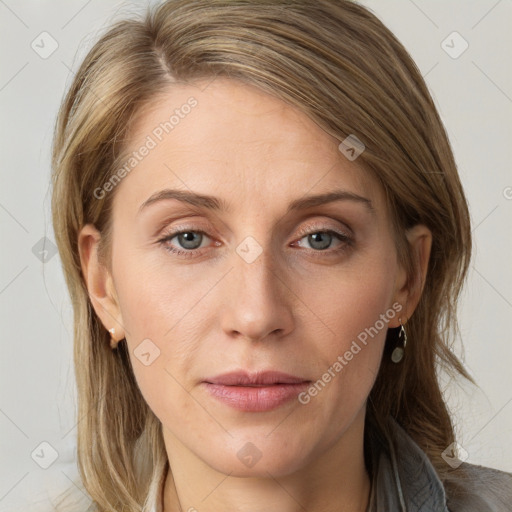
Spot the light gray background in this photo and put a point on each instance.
(474, 95)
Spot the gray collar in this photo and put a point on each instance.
(403, 478)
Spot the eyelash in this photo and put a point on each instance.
(347, 241)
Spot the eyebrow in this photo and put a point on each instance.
(214, 203)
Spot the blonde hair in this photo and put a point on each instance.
(337, 63)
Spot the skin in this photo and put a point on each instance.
(295, 308)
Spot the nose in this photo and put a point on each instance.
(258, 300)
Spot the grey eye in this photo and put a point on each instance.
(190, 239)
(320, 241)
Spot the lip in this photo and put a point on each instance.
(263, 378)
(255, 392)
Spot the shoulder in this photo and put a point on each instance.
(478, 488)
(467, 488)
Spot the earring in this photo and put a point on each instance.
(113, 342)
(398, 352)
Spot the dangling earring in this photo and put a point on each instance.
(113, 342)
(398, 352)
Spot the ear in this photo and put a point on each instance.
(99, 282)
(410, 287)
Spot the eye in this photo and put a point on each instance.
(189, 239)
(186, 242)
(325, 240)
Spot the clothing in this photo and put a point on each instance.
(404, 480)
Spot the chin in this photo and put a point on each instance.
(258, 456)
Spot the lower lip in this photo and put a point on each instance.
(255, 399)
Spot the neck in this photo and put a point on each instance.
(336, 480)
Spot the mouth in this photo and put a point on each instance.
(256, 392)
(262, 378)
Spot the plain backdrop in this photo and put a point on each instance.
(469, 76)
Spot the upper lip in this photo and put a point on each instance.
(243, 378)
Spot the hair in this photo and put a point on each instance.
(337, 63)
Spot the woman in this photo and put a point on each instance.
(264, 236)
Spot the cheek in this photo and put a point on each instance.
(160, 309)
(154, 297)
(352, 300)
(355, 310)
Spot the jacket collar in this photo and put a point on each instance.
(403, 478)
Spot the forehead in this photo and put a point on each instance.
(236, 141)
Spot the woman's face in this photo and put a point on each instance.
(263, 278)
